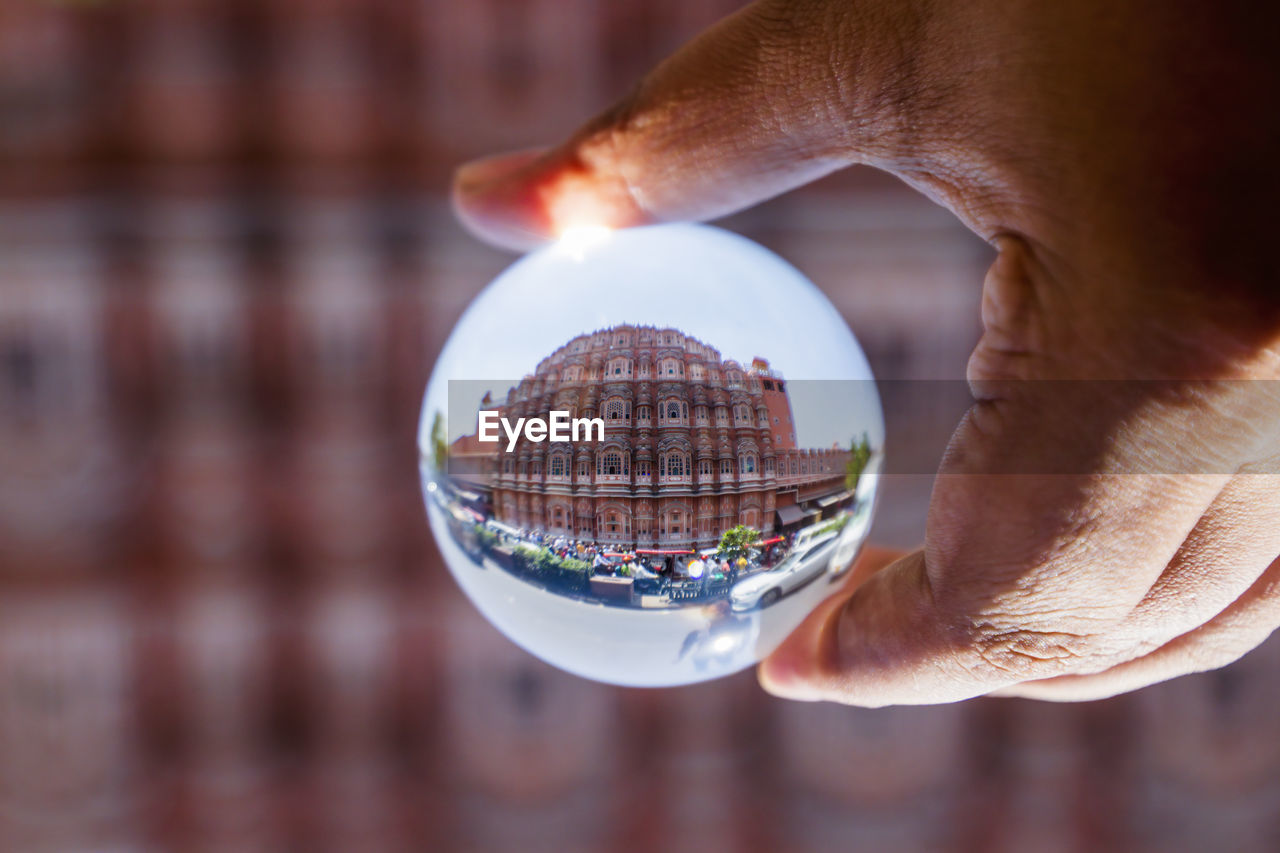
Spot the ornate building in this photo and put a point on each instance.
(693, 445)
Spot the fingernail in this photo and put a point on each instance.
(784, 686)
(474, 175)
(788, 672)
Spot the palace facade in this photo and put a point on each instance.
(694, 444)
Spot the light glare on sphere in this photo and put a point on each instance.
(648, 454)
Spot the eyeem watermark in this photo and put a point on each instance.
(557, 426)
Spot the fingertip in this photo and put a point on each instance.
(526, 198)
(494, 200)
(877, 643)
(800, 667)
(788, 672)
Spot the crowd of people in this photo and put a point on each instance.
(707, 566)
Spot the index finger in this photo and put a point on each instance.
(753, 107)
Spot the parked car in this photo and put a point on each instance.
(803, 565)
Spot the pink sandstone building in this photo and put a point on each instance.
(694, 444)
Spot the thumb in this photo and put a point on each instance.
(894, 615)
(772, 97)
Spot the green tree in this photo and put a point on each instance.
(736, 541)
(859, 456)
(524, 558)
(439, 444)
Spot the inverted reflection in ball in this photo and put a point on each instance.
(646, 457)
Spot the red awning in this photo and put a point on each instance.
(657, 551)
(770, 541)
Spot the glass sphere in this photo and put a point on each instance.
(648, 454)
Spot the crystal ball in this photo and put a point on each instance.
(648, 454)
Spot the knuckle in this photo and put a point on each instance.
(1026, 652)
(1024, 647)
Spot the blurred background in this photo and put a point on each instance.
(227, 264)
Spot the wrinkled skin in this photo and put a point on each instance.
(1084, 538)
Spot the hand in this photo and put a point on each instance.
(1085, 537)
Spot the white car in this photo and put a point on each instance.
(799, 568)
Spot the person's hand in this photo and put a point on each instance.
(1085, 537)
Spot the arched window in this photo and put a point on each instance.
(611, 463)
(558, 465)
(617, 410)
(674, 412)
(747, 463)
(583, 471)
(704, 467)
(674, 465)
(726, 467)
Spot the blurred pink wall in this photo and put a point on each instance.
(226, 266)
